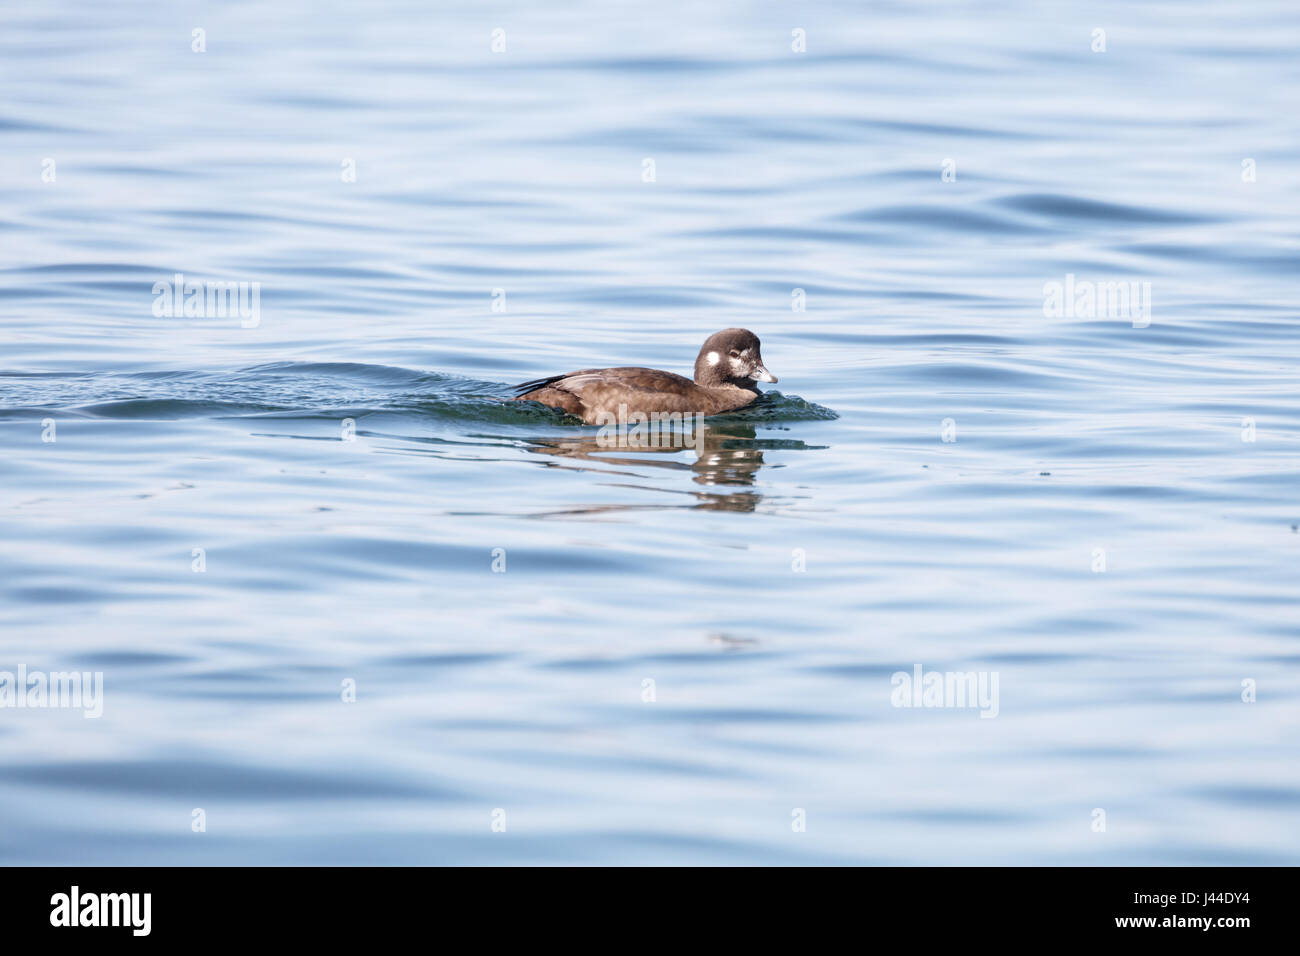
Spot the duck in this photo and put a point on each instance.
(727, 369)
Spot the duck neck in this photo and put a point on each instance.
(713, 377)
(727, 385)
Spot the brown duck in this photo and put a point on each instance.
(728, 365)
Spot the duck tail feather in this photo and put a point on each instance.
(524, 387)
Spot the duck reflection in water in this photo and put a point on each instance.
(724, 455)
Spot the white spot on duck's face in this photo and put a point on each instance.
(713, 358)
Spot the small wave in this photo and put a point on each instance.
(947, 218)
(776, 407)
(172, 408)
(349, 371)
(1077, 209)
(312, 390)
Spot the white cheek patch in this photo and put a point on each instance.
(713, 358)
(736, 366)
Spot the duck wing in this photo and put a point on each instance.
(537, 383)
(628, 378)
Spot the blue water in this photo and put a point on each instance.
(1102, 534)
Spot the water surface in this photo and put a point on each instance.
(1113, 531)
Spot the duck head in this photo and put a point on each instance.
(731, 357)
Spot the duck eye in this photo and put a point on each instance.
(735, 353)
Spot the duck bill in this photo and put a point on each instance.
(761, 374)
